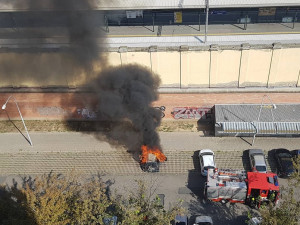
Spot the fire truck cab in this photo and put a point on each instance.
(238, 186)
(262, 187)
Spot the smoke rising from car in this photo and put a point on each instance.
(125, 116)
(123, 95)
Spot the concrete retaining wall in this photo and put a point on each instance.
(182, 67)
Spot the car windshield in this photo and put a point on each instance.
(261, 168)
(285, 155)
(287, 164)
(207, 153)
(208, 167)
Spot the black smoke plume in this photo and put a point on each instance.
(78, 28)
(125, 116)
(123, 95)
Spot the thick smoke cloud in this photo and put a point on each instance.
(124, 113)
(123, 95)
(76, 28)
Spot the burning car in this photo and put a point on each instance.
(151, 158)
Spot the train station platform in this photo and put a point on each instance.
(146, 36)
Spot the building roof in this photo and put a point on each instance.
(251, 112)
(20, 5)
(268, 118)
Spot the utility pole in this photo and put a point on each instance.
(199, 19)
(206, 22)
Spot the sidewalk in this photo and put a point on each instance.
(165, 36)
(62, 152)
(171, 141)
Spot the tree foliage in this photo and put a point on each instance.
(56, 199)
(142, 206)
(286, 213)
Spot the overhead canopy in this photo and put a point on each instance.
(24, 5)
(266, 119)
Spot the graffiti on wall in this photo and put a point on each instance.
(86, 113)
(205, 113)
(83, 113)
(162, 109)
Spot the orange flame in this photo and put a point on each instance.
(155, 151)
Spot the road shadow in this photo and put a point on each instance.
(206, 126)
(206, 122)
(286, 25)
(147, 28)
(196, 162)
(198, 39)
(239, 26)
(225, 214)
(17, 127)
(190, 26)
(247, 141)
(195, 181)
(271, 161)
(14, 207)
(246, 161)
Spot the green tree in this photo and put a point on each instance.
(57, 199)
(286, 213)
(143, 207)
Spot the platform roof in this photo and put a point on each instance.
(266, 112)
(267, 118)
(23, 5)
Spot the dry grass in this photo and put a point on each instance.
(64, 126)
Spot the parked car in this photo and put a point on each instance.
(110, 221)
(257, 160)
(295, 153)
(181, 220)
(203, 220)
(284, 161)
(207, 160)
(255, 221)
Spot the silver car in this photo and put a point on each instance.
(257, 160)
(203, 220)
(207, 161)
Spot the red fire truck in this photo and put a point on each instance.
(252, 188)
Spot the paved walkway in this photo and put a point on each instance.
(168, 41)
(64, 151)
(163, 36)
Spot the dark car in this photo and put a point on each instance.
(181, 220)
(295, 153)
(284, 161)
